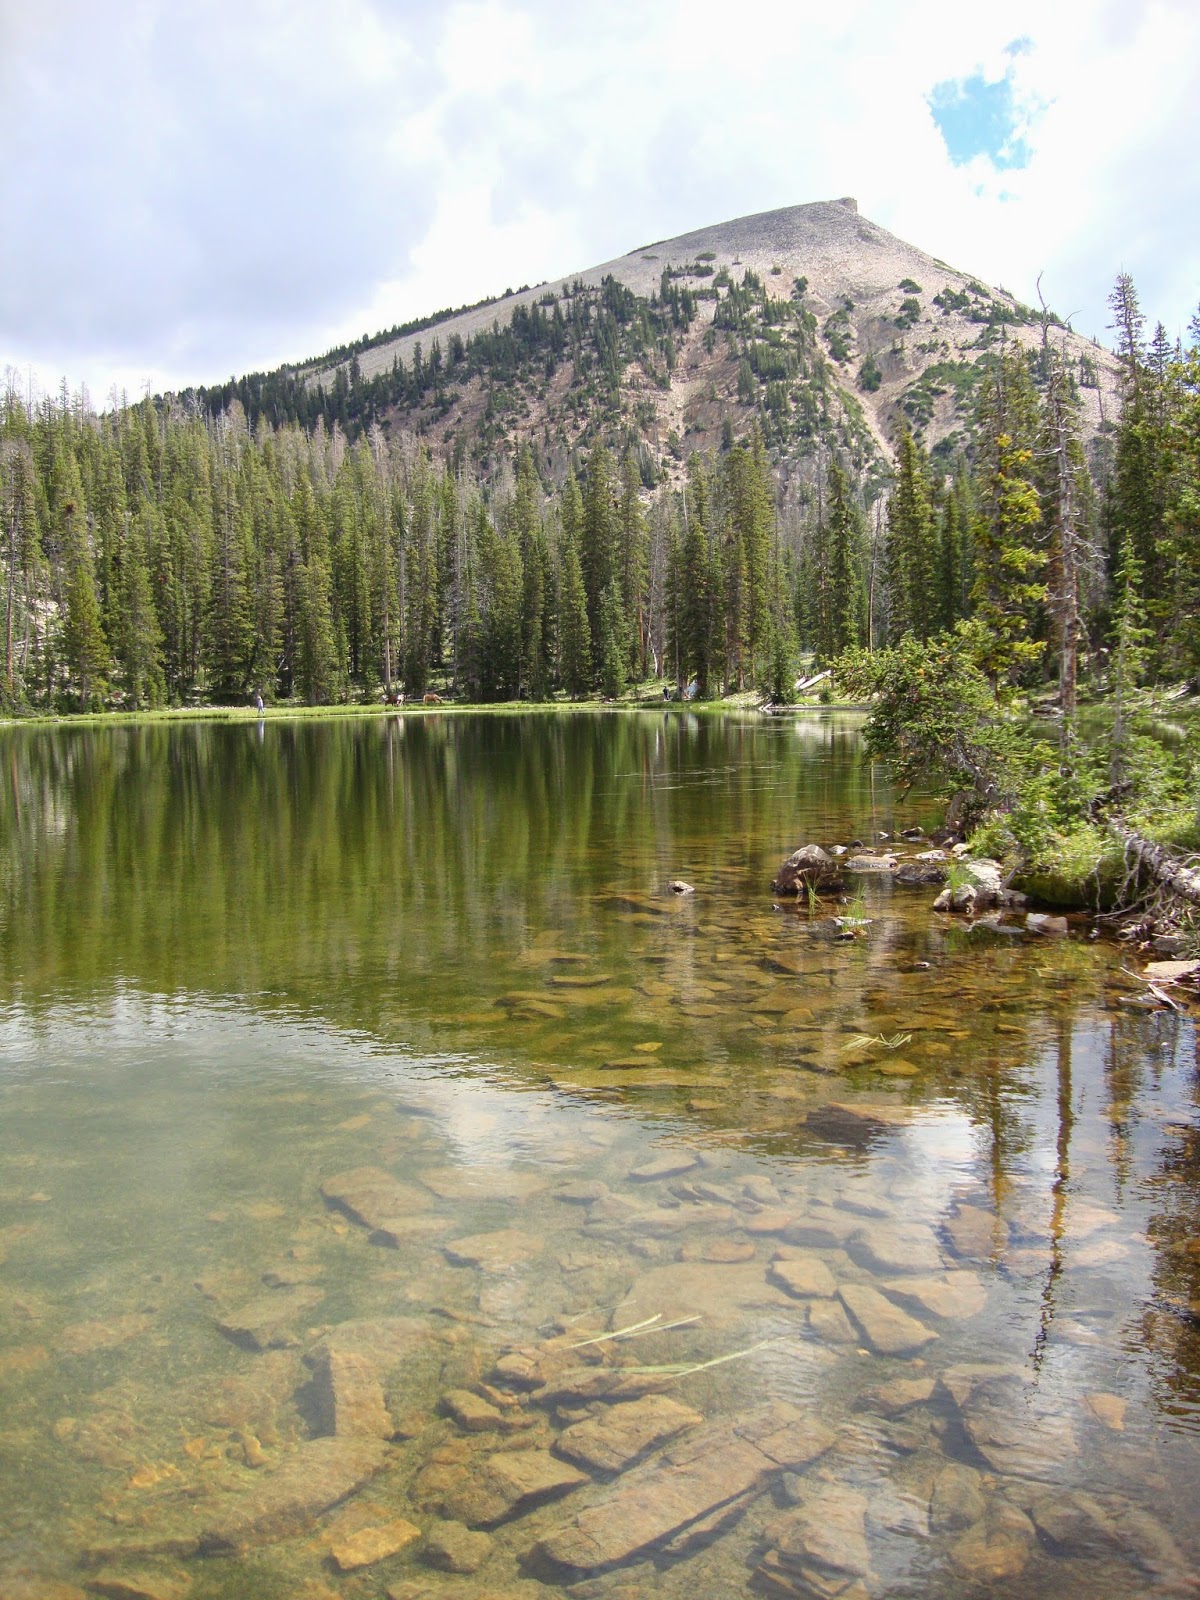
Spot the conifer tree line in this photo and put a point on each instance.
(1076, 564)
(162, 555)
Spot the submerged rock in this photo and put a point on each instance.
(452, 1547)
(582, 1193)
(529, 1368)
(1002, 1416)
(366, 1546)
(892, 1510)
(1108, 1409)
(373, 1198)
(19, 1586)
(310, 1480)
(719, 1252)
(383, 1341)
(487, 1182)
(997, 1547)
(721, 1293)
(953, 1296)
(820, 1230)
(269, 1321)
(348, 1396)
(138, 1583)
(494, 1252)
(888, 1330)
(492, 1488)
(84, 1338)
(583, 1385)
(713, 1467)
(668, 1165)
(896, 1247)
(830, 1323)
(805, 1278)
(976, 1234)
(475, 1414)
(1073, 1523)
(825, 1538)
(958, 1499)
(621, 1434)
(890, 1399)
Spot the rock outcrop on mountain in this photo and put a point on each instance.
(828, 327)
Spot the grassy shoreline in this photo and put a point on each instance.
(291, 713)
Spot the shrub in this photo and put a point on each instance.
(910, 311)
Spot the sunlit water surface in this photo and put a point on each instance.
(360, 1080)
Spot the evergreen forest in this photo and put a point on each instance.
(209, 547)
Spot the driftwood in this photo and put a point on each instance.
(1173, 875)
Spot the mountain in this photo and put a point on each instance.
(828, 327)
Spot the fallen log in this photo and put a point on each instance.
(1173, 874)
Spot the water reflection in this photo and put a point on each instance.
(361, 1086)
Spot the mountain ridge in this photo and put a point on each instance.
(844, 256)
(819, 321)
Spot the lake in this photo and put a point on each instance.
(404, 1192)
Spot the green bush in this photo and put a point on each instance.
(870, 375)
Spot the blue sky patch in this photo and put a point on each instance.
(978, 118)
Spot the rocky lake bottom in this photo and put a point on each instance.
(653, 1246)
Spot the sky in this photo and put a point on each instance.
(192, 189)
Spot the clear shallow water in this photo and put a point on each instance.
(237, 967)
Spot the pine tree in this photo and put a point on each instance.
(613, 645)
(420, 584)
(1127, 653)
(574, 629)
(949, 564)
(1008, 560)
(229, 626)
(1180, 553)
(319, 673)
(84, 647)
(137, 638)
(527, 529)
(500, 565)
(598, 536)
(1064, 516)
(1135, 501)
(18, 525)
(845, 612)
(911, 554)
(699, 588)
(635, 570)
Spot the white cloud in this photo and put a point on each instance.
(221, 186)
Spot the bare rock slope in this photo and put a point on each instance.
(898, 335)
